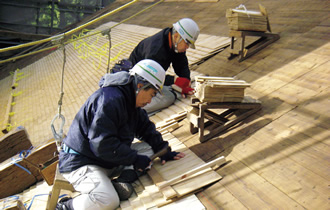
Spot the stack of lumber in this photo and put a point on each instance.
(173, 181)
(244, 20)
(13, 143)
(219, 89)
(19, 172)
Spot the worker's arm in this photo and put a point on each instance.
(106, 139)
(148, 133)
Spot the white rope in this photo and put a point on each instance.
(59, 135)
(243, 6)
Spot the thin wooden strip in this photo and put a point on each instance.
(168, 191)
(7, 117)
(182, 177)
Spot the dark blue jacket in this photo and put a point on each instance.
(157, 48)
(105, 126)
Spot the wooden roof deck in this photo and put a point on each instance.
(279, 156)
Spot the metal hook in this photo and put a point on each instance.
(58, 135)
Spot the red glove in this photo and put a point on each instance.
(184, 84)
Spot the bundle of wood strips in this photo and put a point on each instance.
(244, 20)
(219, 89)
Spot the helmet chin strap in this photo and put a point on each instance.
(176, 45)
(137, 90)
(135, 87)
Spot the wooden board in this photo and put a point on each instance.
(240, 19)
(175, 168)
(13, 143)
(148, 195)
(14, 179)
(219, 89)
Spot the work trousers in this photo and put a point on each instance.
(161, 101)
(94, 184)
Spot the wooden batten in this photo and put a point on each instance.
(15, 204)
(11, 99)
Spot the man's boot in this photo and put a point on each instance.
(64, 204)
(123, 184)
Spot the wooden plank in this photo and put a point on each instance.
(167, 191)
(13, 143)
(16, 204)
(217, 195)
(251, 189)
(183, 165)
(297, 182)
(15, 179)
(192, 172)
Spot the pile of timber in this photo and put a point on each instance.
(219, 89)
(22, 166)
(165, 184)
(244, 20)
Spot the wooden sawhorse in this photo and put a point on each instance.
(202, 117)
(245, 52)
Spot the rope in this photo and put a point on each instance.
(62, 81)
(59, 135)
(8, 200)
(110, 45)
(29, 207)
(23, 154)
(243, 6)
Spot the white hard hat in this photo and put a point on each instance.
(151, 71)
(188, 30)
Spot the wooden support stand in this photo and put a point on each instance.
(245, 52)
(201, 116)
(60, 183)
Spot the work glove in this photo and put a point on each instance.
(168, 156)
(141, 163)
(184, 84)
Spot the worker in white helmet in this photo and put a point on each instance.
(169, 47)
(100, 138)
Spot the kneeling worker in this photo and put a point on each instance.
(168, 47)
(101, 135)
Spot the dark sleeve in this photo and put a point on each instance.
(169, 80)
(146, 49)
(103, 135)
(146, 131)
(180, 65)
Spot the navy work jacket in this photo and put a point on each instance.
(105, 126)
(157, 48)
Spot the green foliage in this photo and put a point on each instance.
(65, 12)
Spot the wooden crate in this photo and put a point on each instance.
(219, 89)
(244, 20)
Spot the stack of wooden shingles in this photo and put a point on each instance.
(219, 89)
(243, 20)
(20, 164)
(167, 183)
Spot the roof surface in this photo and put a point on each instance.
(280, 155)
